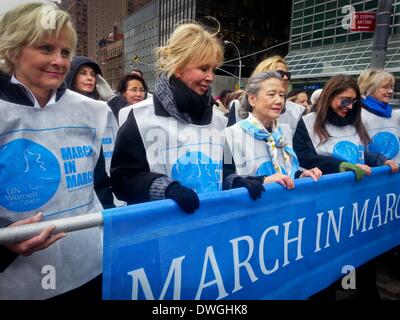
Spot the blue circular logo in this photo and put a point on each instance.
(197, 171)
(29, 175)
(346, 151)
(267, 169)
(385, 143)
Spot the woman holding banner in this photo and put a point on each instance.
(171, 146)
(258, 143)
(334, 138)
(50, 143)
(381, 122)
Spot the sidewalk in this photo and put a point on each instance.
(387, 278)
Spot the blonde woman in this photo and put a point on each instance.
(171, 146)
(381, 122)
(50, 141)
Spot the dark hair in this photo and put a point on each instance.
(138, 71)
(295, 92)
(223, 96)
(123, 83)
(336, 85)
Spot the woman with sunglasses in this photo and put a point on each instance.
(333, 138)
(381, 122)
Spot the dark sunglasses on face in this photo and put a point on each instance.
(345, 102)
(284, 73)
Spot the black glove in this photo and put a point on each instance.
(186, 198)
(253, 184)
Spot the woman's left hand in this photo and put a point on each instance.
(365, 168)
(313, 173)
(393, 165)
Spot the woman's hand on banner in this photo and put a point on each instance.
(313, 173)
(186, 198)
(254, 185)
(365, 168)
(393, 165)
(282, 179)
(39, 242)
(359, 170)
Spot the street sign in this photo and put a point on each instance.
(363, 22)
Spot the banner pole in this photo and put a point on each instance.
(27, 231)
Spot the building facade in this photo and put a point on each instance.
(251, 25)
(322, 43)
(111, 57)
(78, 11)
(102, 16)
(141, 35)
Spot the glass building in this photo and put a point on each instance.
(252, 25)
(321, 43)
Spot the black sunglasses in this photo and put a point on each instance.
(284, 73)
(345, 102)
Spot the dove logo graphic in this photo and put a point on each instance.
(347, 151)
(197, 171)
(385, 143)
(29, 174)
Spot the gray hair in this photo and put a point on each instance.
(253, 87)
(372, 79)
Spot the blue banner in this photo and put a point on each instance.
(287, 245)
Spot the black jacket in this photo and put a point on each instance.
(131, 178)
(116, 104)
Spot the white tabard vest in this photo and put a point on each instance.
(47, 159)
(190, 154)
(344, 143)
(292, 115)
(124, 112)
(251, 156)
(384, 133)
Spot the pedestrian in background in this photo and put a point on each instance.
(84, 77)
(132, 89)
(300, 97)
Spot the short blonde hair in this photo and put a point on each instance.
(28, 23)
(371, 80)
(189, 43)
(268, 64)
